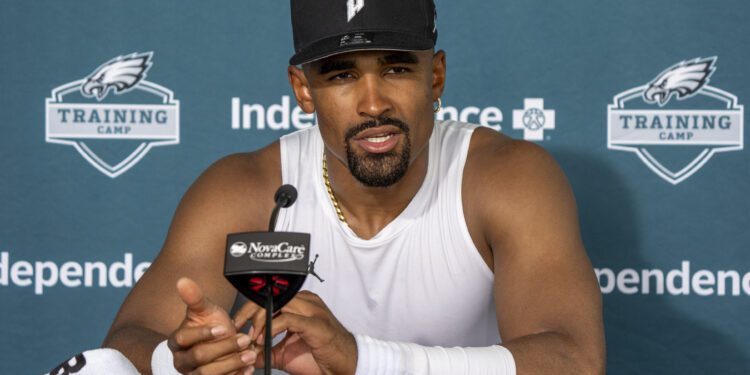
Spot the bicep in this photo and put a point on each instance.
(543, 278)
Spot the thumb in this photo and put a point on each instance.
(192, 295)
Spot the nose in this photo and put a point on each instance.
(374, 98)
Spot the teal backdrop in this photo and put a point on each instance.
(85, 201)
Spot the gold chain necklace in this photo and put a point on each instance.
(330, 192)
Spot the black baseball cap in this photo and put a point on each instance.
(323, 28)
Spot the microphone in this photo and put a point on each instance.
(285, 196)
(269, 268)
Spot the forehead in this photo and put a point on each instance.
(357, 58)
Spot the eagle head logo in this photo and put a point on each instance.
(121, 74)
(684, 79)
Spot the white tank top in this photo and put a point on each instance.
(420, 279)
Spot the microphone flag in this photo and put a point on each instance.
(254, 259)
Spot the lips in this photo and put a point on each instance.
(380, 139)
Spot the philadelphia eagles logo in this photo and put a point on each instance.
(121, 74)
(684, 79)
(707, 120)
(113, 135)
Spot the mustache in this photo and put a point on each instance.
(374, 123)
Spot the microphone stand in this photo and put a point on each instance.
(269, 302)
(269, 318)
(236, 271)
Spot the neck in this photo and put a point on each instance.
(369, 209)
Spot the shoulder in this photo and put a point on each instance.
(513, 166)
(508, 183)
(236, 187)
(250, 167)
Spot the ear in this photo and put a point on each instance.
(301, 88)
(438, 74)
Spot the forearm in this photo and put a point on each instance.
(385, 357)
(542, 353)
(137, 343)
(553, 352)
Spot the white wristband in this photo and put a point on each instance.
(96, 362)
(383, 357)
(162, 361)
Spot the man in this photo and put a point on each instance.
(436, 239)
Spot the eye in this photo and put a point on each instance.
(397, 70)
(341, 76)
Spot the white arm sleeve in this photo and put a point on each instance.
(376, 357)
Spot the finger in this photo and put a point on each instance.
(244, 314)
(304, 305)
(192, 295)
(186, 337)
(299, 306)
(205, 353)
(310, 297)
(295, 323)
(260, 360)
(311, 330)
(235, 362)
(259, 323)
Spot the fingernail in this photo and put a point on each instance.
(252, 330)
(218, 331)
(248, 357)
(249, 371)
(243, 341)
(259, 340)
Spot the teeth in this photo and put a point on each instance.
(378, 139)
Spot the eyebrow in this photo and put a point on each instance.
(400, 57)
(334, 65)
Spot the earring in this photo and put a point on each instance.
(439, 106)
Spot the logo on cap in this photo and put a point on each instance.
(353, 7)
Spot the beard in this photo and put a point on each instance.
(378, 170)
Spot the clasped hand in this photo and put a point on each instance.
(209, 342)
